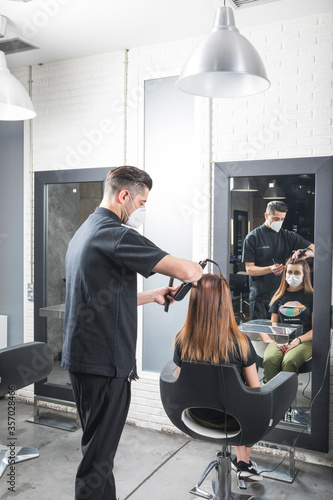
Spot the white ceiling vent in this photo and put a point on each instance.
(249, 3)
(15, 45)
(12, 45)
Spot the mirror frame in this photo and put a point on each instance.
(42, 179)
(322, 167)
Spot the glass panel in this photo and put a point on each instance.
(247, 208)
(169, 152)
(67, 207)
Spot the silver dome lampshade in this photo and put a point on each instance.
(246, 184)
(15, 103)
(274, 192)
(224, 64)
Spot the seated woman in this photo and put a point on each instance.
(210, 334)
(292, 303)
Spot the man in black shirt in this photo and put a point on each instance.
(265, 251)
(100, 325)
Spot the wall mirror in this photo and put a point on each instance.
(63, 201)
(241, 193)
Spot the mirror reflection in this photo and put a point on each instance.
(258, 272)
(67, 207)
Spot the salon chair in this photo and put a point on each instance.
(298, 414)
(239, 285)
(20, 366)
(220, 387)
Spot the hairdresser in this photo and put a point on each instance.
(265, 250)
(291, 303)
(100, 325)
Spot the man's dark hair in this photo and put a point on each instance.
(276, 206)
(131, 178)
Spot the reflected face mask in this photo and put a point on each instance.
(294, 281)
(276, 225)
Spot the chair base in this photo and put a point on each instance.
(301, 415)
(54, 417)
(222, 484)
(21, 455)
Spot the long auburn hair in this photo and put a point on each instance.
(307, 287)
(198, 339)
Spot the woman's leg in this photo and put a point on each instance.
(243, 453)
(273, 357)
(294, 359)
(245, 468)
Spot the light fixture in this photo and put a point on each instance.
(243, 184)
(274, 192)
(15, 103)
(224, 64)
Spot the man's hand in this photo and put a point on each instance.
(158, 295)
(277, 269)
(309, 253)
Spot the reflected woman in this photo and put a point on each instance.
(292, 303)
(210, 334)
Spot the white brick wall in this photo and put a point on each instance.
(75, 99)
(80, 112)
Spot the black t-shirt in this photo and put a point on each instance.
(295, 308)
(261, 246)
(234, 359)
(100, 325)
(214, 416)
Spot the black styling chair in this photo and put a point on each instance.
(239, 285)
(296, 413)
(220, 387)
(20, 366)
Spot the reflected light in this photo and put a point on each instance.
(243, 184)
(274, 192)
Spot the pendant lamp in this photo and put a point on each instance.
(243, 184)
(224, 64)
(15, 103)
(274, 192)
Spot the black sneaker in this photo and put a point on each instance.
(234, 464)
(248, 471)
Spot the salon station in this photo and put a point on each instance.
(227, 105)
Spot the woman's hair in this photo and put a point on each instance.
(284, 285)
(201, 338)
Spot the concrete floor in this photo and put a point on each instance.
(149, 465)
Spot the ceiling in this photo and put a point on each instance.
(65, 29)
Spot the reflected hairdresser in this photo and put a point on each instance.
(265, 250)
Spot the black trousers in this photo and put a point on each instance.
(259, 310)
(102, 404)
